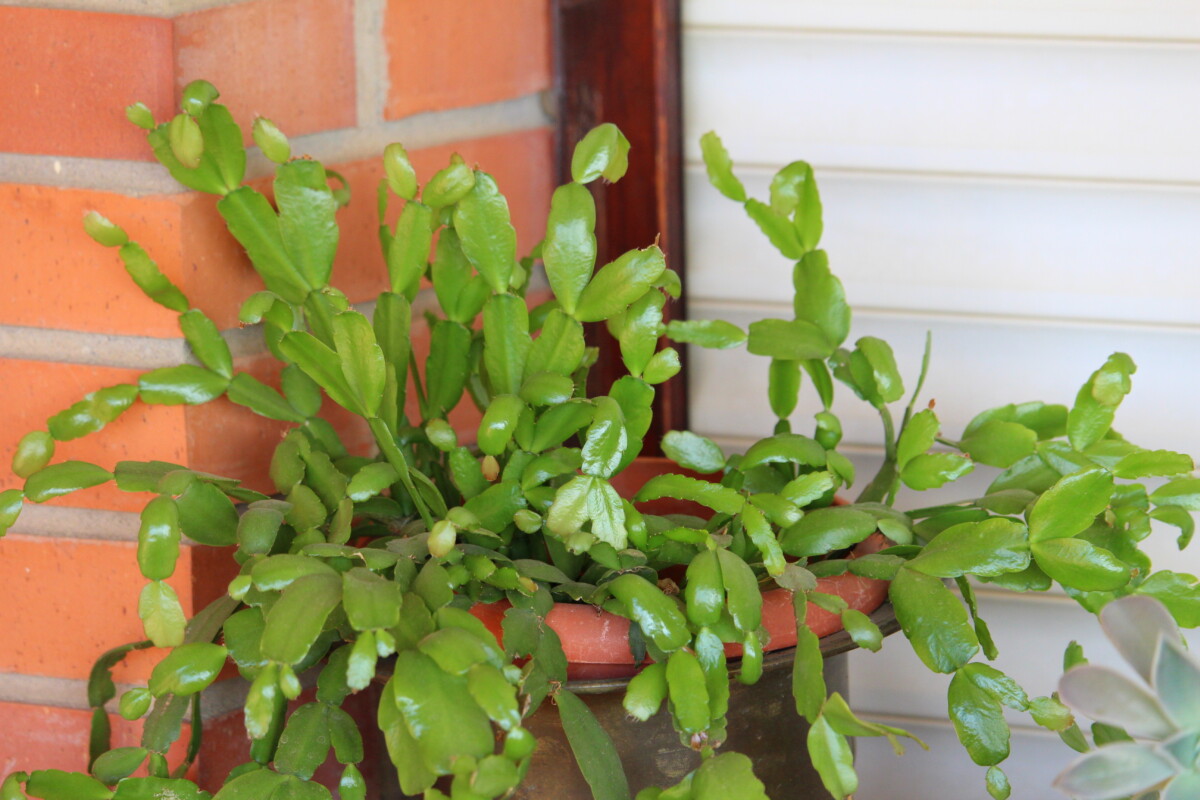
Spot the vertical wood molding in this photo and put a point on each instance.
(619, 61)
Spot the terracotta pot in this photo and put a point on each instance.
(762, 721)
(596, 642)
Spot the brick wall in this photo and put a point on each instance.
(342, 78)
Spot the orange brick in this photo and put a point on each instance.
(34, 390)
(43, 737)
(458, 53)
(59, 278)
(70, 600)
(68, 76)
(292, 60)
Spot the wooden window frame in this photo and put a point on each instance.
(619, 61)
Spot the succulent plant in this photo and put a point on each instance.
(1147, 732)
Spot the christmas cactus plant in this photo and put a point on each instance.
(363, 565)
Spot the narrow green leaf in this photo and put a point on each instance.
(788, 340)
(248, 391)
(401, 177)
(978, 721)
(506, 342)
(488, 239)
(560, 347)
(819, 297)
(60, 479)
(187, 669)
(254, 224)
(297, 618)
(361, 359)
(161, 614)
(447, 366)
(714, 334)
(569, 251)
(719, 498)
(324, 366)
(306, 219)
(185, 384)
(833, 759)
(593, 749)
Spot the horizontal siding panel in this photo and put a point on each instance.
(979, 106)
(976, 364)
(1120, 19)
(946, 772)
(1050, 250)
(1031, 633)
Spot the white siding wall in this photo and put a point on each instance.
(1021, 178)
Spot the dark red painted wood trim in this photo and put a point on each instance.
(618, 61)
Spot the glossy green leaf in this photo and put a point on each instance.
(57, 480)
(999, 444)
(607, 513)
(187, 143)
(306, 219)
(116, 764)
(560, 347)
(1149, 463)
(361, 359)
(819, 297)
(603, 153)
(158, 538)
(370, 600)
(401, 177)
(606, 439)
(720, 168)
(918, 436)
(297, 618)
(184, 384)
(206, 514)
(498, 423)
(10, 508)
(253, 222)
(985, 549)
(187, 669)
(692, 451)
(161, 614)
(934, 620)
(641, 325)
(789, 340)
(743, 599)
(482, 221)
(34, 451)
(654, 612)
(248, 391)
(409, 249)
(547, 389)
(646, 692)
(784, 448)
(569, 251)
(783, 386)
(305, 741)
(824, 530)
(447, 366)
(149, 279)
(53, 784)
(832, 758)
(1071, 505)
(714, 334)
(270, 140)
(663, 366)
(931, 470)
(882, 361)
(620, 283)
(449, 184)
(324, 366)
(206, 342)
(506, 342)
(92, 413)
(778, 229)
(103, 231)
(1081, 565)
(1181, 493)
(449, 724)
(978, 720)
(688, 692)
(719, 498)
